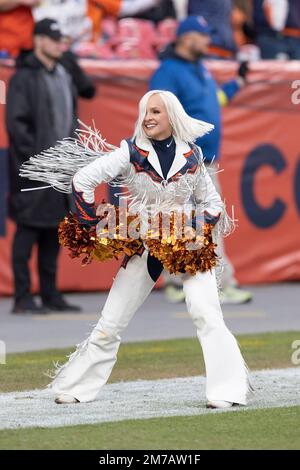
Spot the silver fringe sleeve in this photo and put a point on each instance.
(57, 165)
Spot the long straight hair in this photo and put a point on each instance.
(184, 127)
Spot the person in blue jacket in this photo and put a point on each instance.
(183, 73)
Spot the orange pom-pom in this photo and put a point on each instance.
(84, 242)
(179, 252)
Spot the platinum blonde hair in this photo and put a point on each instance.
(184, 127)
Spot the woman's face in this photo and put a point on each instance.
(156, 123)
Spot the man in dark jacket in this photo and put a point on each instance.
(41, 109)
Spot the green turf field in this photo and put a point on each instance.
(275, 428)
(150, 360)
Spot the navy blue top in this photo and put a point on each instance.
(165, 150)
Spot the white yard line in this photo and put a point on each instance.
(143, 399)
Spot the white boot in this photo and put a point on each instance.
(226, 372)
(219, 404)
(90, 366)
(65, 399)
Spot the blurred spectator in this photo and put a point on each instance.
(16, 26)
(164, 9)
(277, 24)
(242, 22)
(218, 14)
(135, 39)
(82, 19)
(70, 14)
(182, 73)
(98, 9)
(41, 109)
(181, 8)
(244, 32)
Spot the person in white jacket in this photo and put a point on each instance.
(163, 170)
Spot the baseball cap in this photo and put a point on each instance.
(48, 27)
(193, 23)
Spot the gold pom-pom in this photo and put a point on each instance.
(181, 252)
(179, 248)
(79, 239)
(83, 241)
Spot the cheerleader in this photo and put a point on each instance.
(163, 170)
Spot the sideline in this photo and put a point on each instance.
(143, 399)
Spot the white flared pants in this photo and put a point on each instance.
(90, 366)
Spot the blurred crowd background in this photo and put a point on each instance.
(140, 29)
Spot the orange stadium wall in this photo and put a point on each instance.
(260, 158)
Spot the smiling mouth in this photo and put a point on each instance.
(149, 126)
